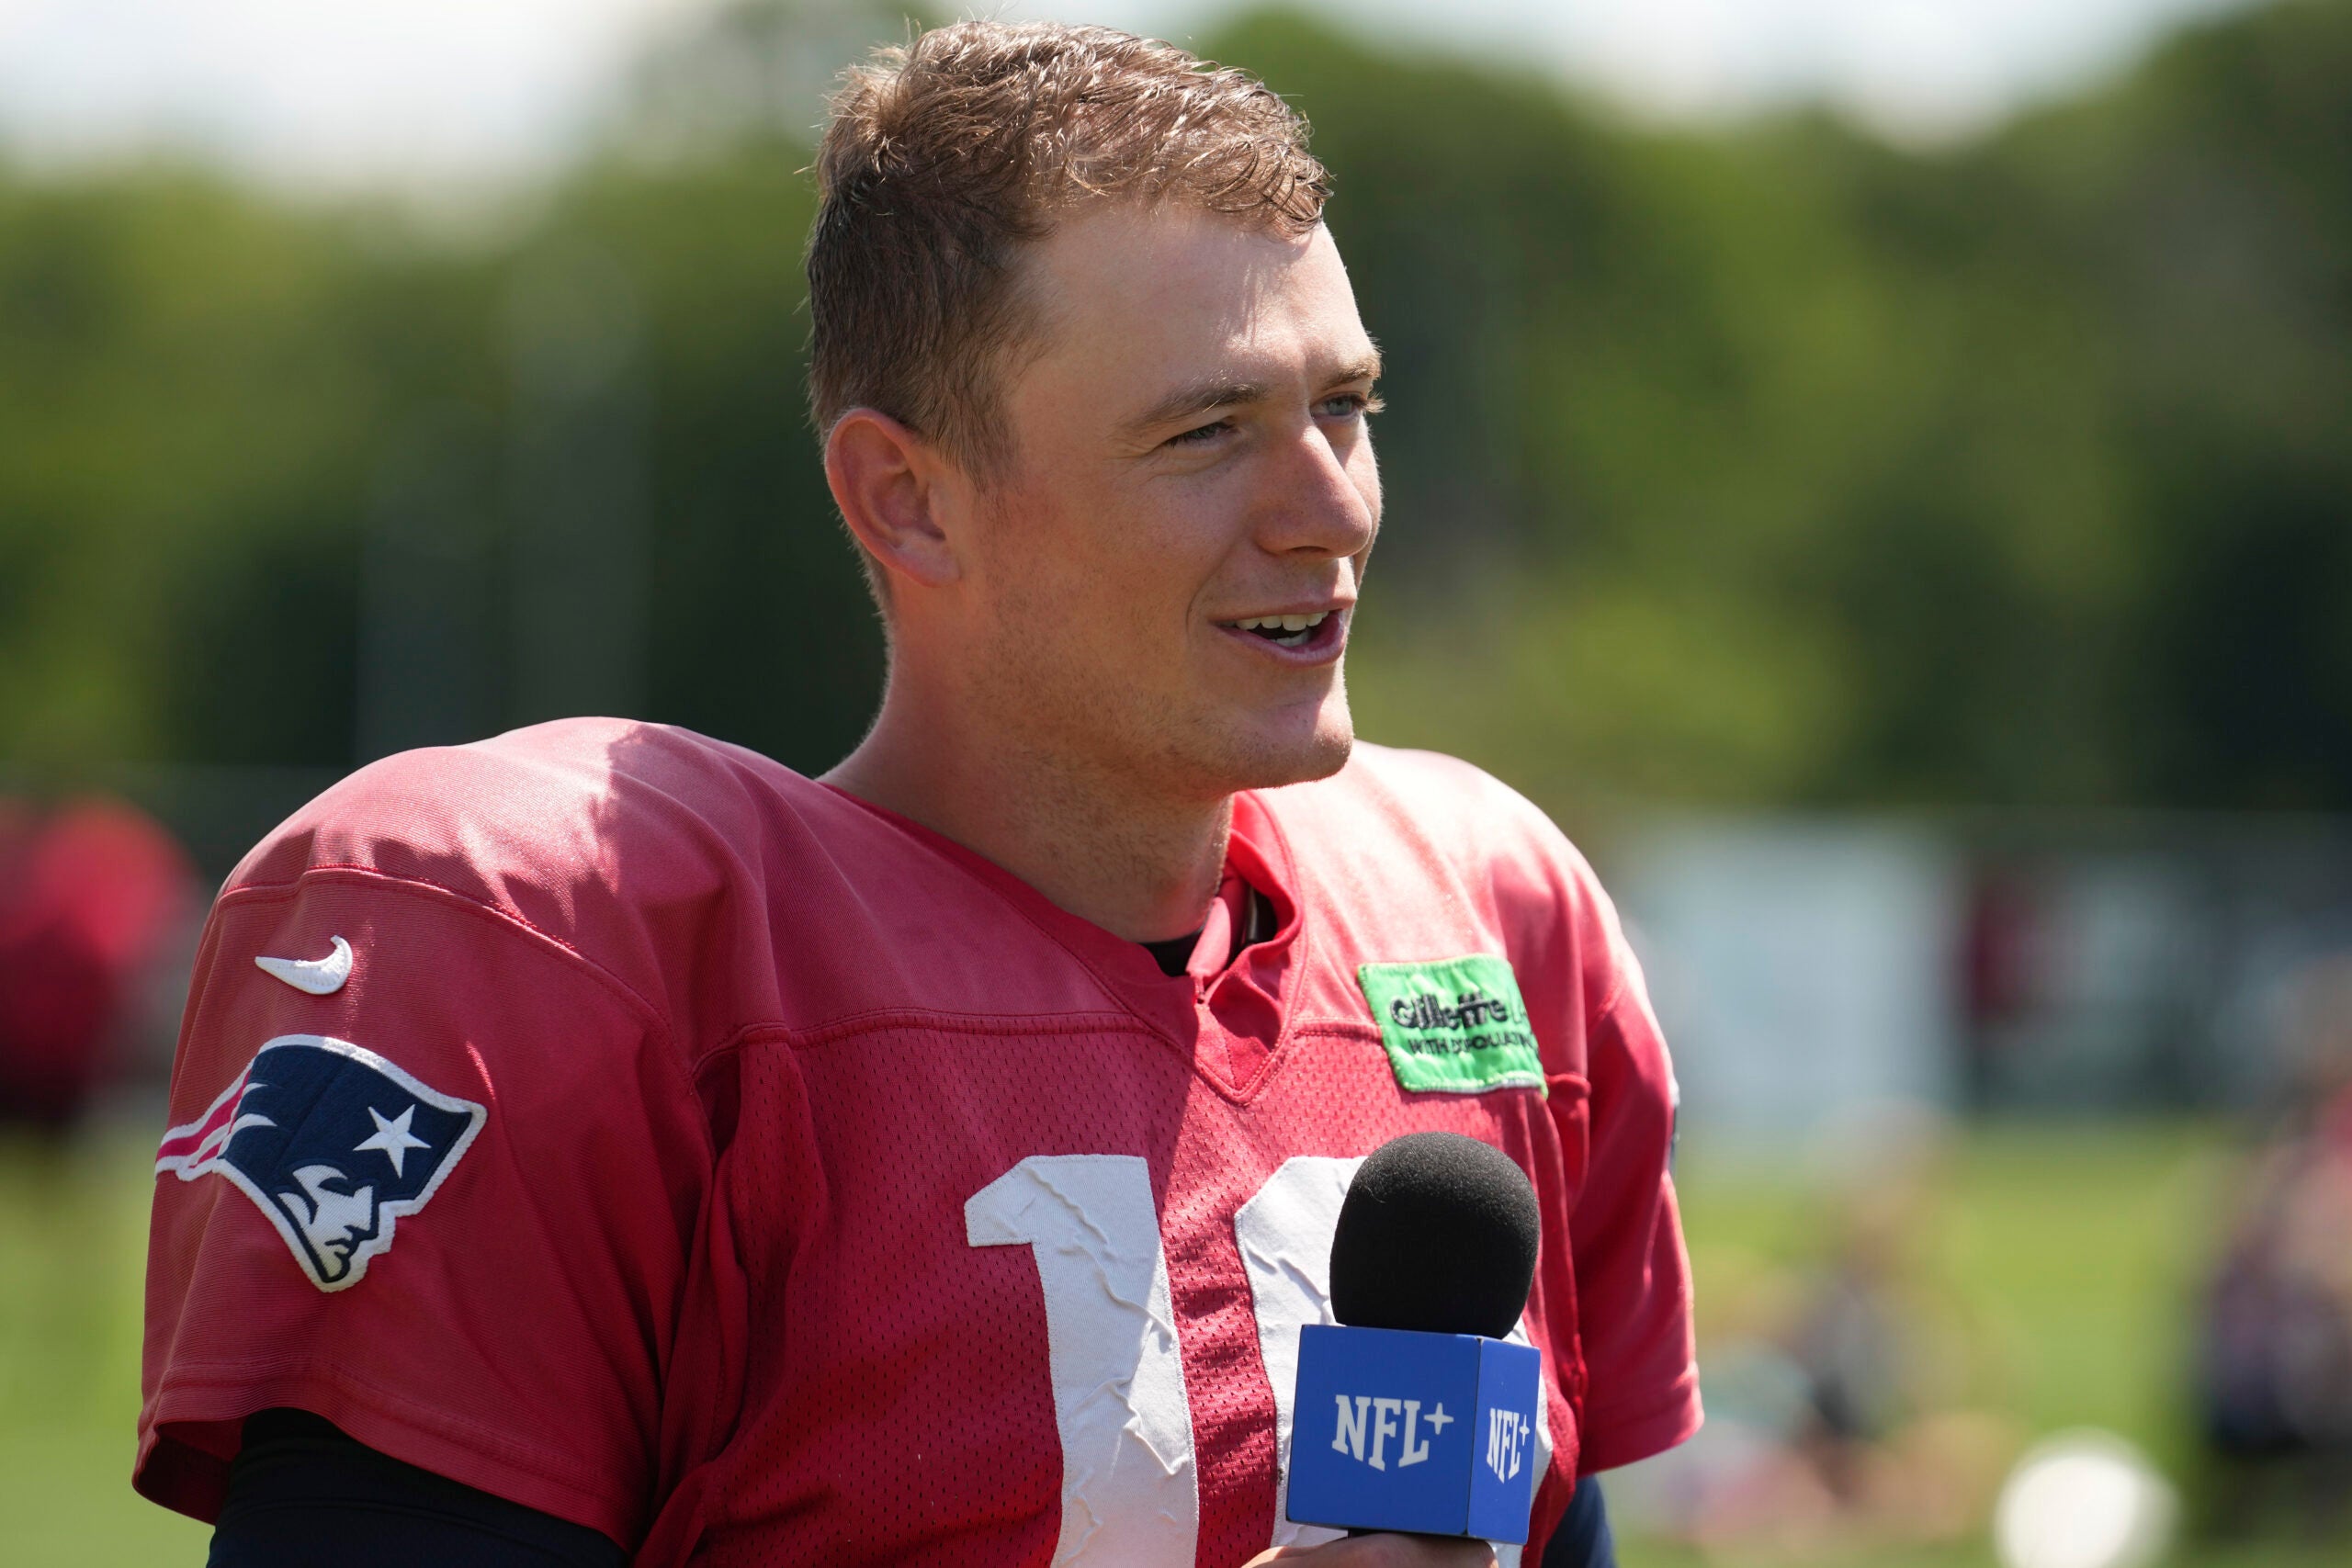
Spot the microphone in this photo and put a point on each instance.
(1413, 1414)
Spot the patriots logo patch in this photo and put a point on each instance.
(333, 1143)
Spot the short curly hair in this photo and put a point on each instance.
(942, 156)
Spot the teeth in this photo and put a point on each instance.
(1283, 623)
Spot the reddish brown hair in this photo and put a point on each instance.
(944, 155)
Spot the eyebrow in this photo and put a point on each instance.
(1227, 391)
(1195, 398)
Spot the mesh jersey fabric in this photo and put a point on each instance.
(818, 1158)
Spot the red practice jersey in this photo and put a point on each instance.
(613, 1119)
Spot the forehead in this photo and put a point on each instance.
(1146, 296)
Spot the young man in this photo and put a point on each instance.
(600, 1139)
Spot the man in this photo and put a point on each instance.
(627, 1145)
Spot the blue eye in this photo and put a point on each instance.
(1347, 405)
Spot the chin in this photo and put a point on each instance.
(1269, 761)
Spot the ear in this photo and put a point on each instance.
(898, 494)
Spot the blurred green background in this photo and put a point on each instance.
(1770, 465)
(1765, 467)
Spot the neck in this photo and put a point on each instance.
(1142, 866)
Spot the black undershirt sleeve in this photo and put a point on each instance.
(302, 1494)
(1583, 1540)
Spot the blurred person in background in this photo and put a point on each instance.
(1848, 1393)
(2274, 1375)
(92, 896)
(1895, 1427)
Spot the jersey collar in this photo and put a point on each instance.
(1229, 1021)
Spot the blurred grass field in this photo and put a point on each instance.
(2072, 1248)
(73, 1255)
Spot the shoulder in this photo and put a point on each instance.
(572, 802)
(716, 889)
(1438, 811)
(539, 822)
(440, 1035)
(1420, 846)
(629, 846)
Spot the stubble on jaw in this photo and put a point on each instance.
(1048, 695)
(1128, 794)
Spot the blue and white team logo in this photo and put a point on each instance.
(333, 1143)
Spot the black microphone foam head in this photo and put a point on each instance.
(1437, 1235)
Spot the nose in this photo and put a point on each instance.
(1322, 495)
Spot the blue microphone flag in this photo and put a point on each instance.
(1397, 1430)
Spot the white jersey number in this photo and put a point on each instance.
(1130, 1491)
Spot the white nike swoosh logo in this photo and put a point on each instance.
(317, 975)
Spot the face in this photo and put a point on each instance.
(1160, 587)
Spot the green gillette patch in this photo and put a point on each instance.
(1453, 1026)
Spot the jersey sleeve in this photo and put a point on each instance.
(1633, 1274)
(430, 1174)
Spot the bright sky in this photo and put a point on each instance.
(343, 92)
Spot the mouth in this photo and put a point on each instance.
(1311, 634)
